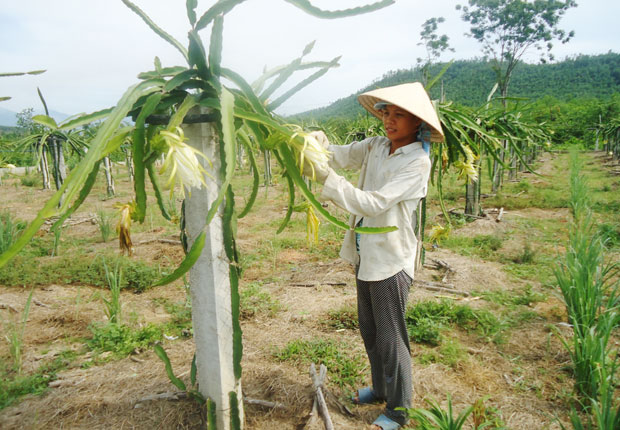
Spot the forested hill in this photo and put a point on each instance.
(469, 82)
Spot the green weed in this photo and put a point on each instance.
(14, 386)
(15, 335)
(104, 222)
(256, 301)
(345, 369)
(449, 353)
(526, 297)
(484, 246)
(526, 256)
(9, 230)
(114, 278)
(32, 179)
(435, 418)
(427, 320)
(121, 339)
(343, 318)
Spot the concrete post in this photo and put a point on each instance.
(210, 286)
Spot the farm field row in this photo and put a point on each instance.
(492, 342)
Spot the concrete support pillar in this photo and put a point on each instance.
(210, 286)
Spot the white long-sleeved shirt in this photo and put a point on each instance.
(388, 192)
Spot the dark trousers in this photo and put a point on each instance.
(381, 307)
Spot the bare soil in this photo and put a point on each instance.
(524, 378)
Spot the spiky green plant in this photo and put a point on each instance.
(591, 294)
(9, 230)
(14, 334)
(436, 418)
(113, 306)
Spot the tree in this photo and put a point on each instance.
(507, 29)
(435, 45)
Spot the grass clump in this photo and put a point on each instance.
(9, 230)
(104, 222)
(256, 301)
(449, 353)
(122, 340)
(427, 320)
(32, 179)
(13, 386)
(14, 334)
(482, 245)
(344, 318)
(345, 369)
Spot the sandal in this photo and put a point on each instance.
(365, 396)
(385, 423)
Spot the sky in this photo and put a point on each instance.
(93, 50)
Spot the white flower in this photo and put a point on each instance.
(181, 162)
(310, 149)
(467, 170)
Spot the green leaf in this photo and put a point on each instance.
(246, 89)
(197, 55)
(3, 99)
(158, 194)
(435, 79)
(193, 371)
(159, 351)
(45, 120)
(85, 119)
(88, 185)
(187, 263)
(180, 79)
(215, 47)
(307, 7)
(160, 32)
(177, 118)
(291, 204)
(163, 72)
(282, 78)
(221, 7)
(190, 5)
(34, 72)
(139, 148)
(277, 102)
(211, 415)
(229, 147)
(255, 175)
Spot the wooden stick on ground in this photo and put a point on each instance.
(317, 381)
(499, 216)
(443, 288)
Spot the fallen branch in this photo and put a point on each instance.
(455, 212)
(177, 395)
(316, 284)
(263, 403)
(317, 382)
(9, 307)
(499, 216)
(38, 303)
(170, 241)
(443, 288)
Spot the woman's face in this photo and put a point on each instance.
(401, 126)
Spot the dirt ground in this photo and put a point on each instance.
(524, 378)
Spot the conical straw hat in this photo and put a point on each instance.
(411, 97)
